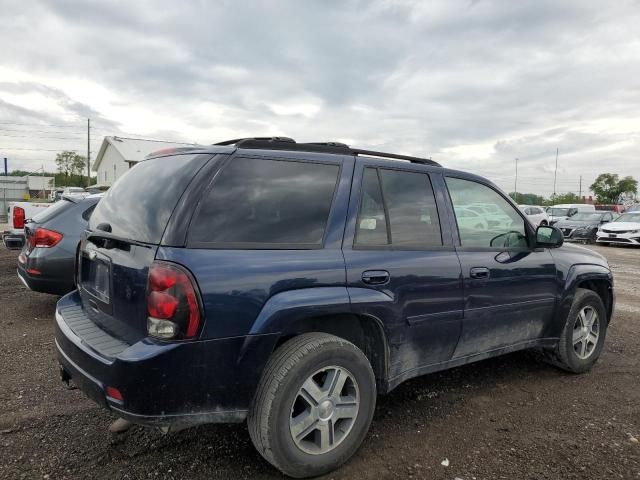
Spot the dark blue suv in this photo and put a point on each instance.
(287, 284)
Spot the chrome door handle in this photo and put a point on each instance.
(375, 277)
(479, 272)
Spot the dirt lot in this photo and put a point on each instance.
(511, 417)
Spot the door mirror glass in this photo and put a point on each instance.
(549, 237)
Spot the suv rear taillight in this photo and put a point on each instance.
(173, 305)
(43, 238)
(18, 217)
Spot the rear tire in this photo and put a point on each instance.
(584, 333)
(313, 406)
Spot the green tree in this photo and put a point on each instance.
(565, 198)
(70, 163)
(527, 198)
(608, 187)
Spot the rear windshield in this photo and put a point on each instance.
(48, 213)
(139, 204)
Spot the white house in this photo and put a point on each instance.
(119, 154)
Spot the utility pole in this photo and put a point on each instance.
(88, 152)
(580, 189)
(515, 187)
(555, 174)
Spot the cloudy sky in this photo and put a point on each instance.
(472, 84)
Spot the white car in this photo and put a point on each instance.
(624, 230)
(19, 213)
(470, 220)
(535, 214)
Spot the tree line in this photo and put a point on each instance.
(71, 169)
(608, 188)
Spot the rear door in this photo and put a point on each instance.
(402, 268)
(509, 288)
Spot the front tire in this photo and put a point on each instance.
(583, 336)
(313, 406)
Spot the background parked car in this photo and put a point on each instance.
(616, 208)
(624, 230)
(567, 210)
(536, 214)
(470, 219)
(46, 263)
(19, 213)
(582, 227)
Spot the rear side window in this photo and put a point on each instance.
(139, 204)
(54, 210)
(398, 208)
(87, 213)
(258, 203)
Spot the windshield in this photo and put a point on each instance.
(587, 217)
(629, 217)
(558, 212)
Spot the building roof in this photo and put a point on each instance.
(133, 149)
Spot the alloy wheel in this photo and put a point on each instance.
(324, 410)
(586, 331)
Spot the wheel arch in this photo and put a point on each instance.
(363, 331)
(590, 277)
(604, 289)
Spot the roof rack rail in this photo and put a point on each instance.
(286, 143)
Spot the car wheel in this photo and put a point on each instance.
(543, 223)
(584, 333)
(313, 406)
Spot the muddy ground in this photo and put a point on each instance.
(511, 418)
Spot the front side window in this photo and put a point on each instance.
(496, 224)
(267, 203)
(400, 211)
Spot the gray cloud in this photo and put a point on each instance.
(473, 84)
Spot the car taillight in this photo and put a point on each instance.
(43, 238)
(18, 217)
(173, 307)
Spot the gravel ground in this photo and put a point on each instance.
(511, 417)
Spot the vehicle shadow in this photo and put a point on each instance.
(227, 450)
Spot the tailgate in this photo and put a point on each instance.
(112, 281)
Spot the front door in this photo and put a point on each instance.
(509, 288)
(402, 268)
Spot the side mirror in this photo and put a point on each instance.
(549, 237)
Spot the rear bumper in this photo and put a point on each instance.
(13, 241)
(44, 283)
(162, 384)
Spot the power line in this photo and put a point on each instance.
(42, 138)
(40, 125)
(40, 131)
(35, 149)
